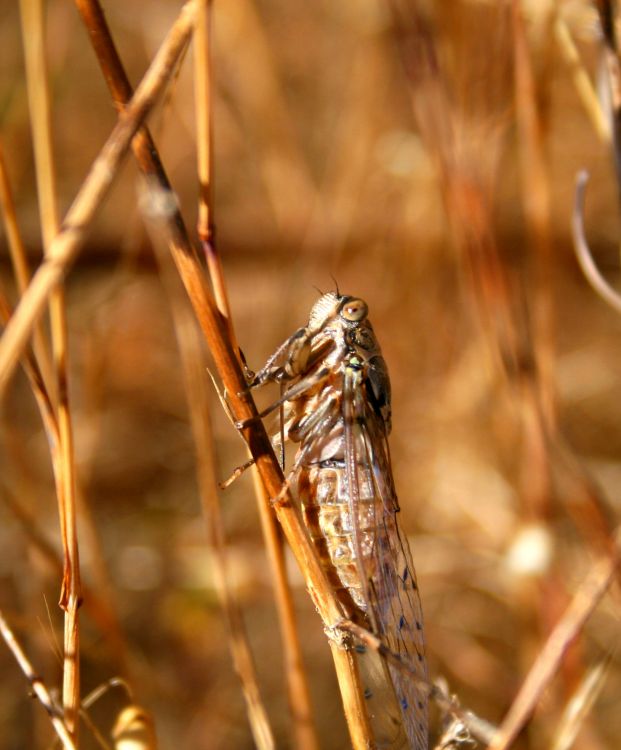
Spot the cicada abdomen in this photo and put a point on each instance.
(337, 408)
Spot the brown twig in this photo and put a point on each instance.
(551, 655)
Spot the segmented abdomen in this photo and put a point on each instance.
(323, 492)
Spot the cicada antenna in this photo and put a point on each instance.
(336, 284)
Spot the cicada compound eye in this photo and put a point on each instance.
(354, 310)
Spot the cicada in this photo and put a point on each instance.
(335, 405)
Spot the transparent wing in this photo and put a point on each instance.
(393, 602)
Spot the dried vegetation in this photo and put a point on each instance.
(422, 155)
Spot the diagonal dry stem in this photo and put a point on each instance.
(551, 655)
(580, 77)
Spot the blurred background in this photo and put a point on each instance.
(326, 172)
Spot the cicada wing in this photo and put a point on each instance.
(393, 602)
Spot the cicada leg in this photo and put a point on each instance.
(297, 347)
(318, 423)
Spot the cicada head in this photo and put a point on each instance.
(324, 309)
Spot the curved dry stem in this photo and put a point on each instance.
(583, 251)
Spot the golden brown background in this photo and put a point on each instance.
(321, 176)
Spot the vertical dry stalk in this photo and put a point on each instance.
(297, 686)
(71, 595)
(304, 730)
(37, 685)
(536, 201)
(203, 97)
(550, 657)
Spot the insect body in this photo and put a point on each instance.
(336, 405)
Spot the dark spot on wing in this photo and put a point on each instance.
(401, 622)
(368, 693)
(404, 704)
(360, 649)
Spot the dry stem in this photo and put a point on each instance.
(71, 595)
(551, 655)
(297, 685)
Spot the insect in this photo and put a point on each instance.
(335, 404)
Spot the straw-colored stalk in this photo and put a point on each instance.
(71, 595)
(304, 732)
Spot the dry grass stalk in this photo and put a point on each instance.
(203, 97)
(99, 608)
(37, 685)
(551, 655)
(535, 191)
(304, 731)
(71, 594)
(68, 242)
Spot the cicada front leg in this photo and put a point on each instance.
(288, 361)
